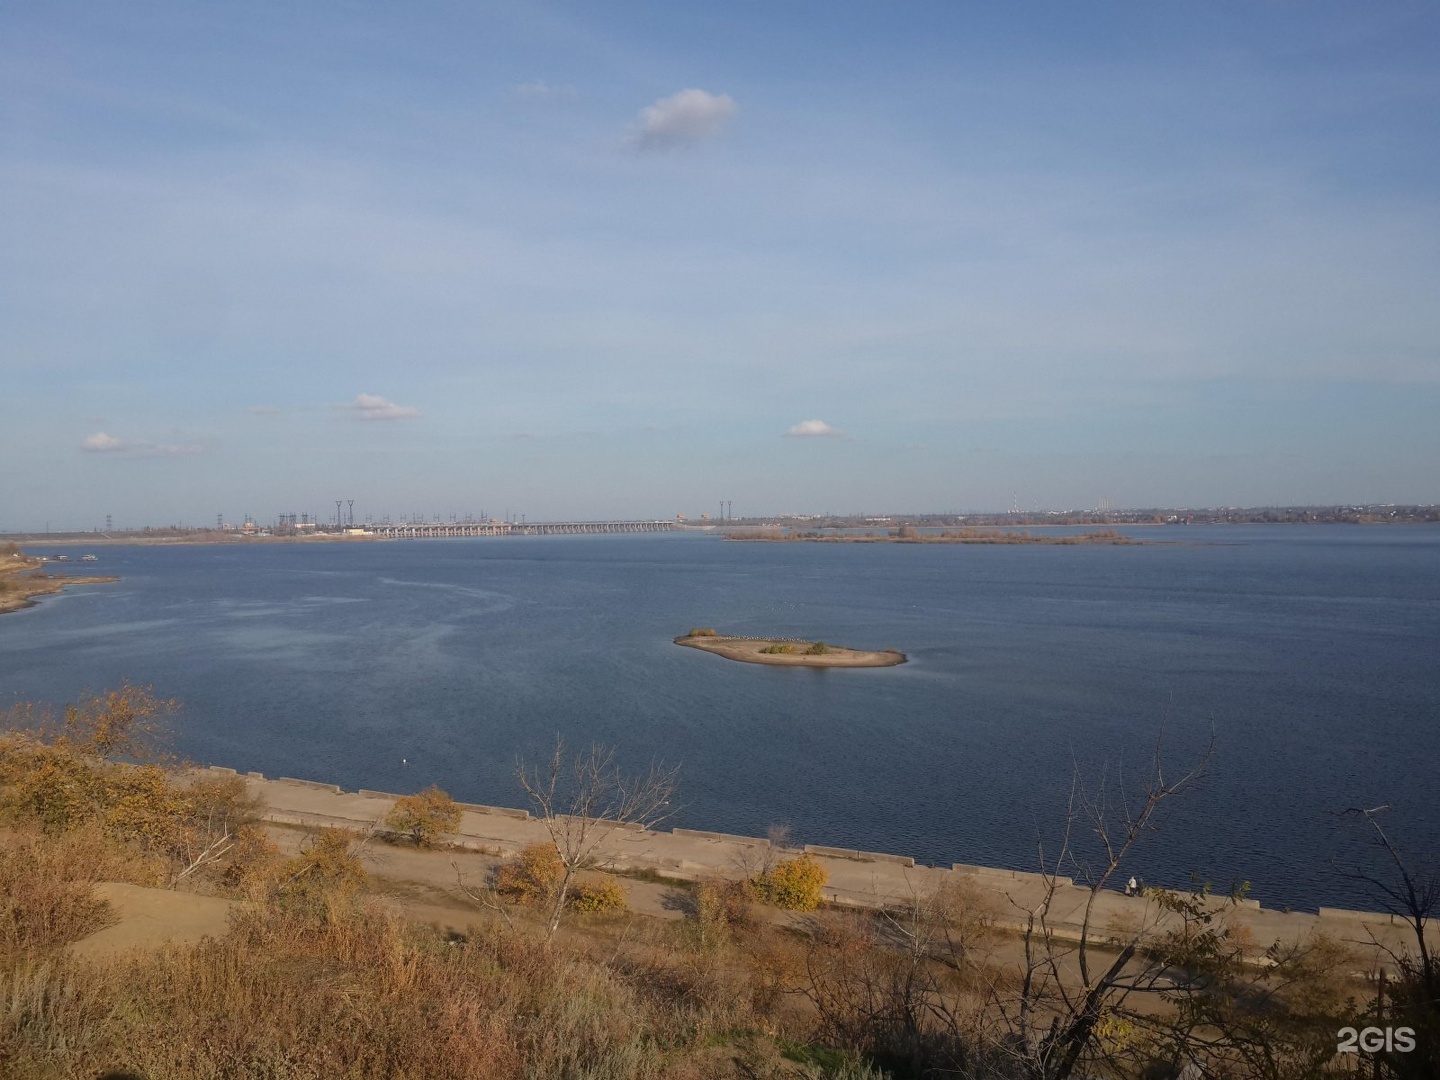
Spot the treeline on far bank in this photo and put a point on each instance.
(318, 977)
(911, 534)
(1368, 514)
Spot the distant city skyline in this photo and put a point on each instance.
(600, 262)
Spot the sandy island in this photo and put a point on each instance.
(22, 577)
(752, 651)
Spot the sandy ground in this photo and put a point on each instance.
(148, 918)
(748, 650)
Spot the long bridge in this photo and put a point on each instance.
(411, 530)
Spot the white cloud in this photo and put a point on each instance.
(686, 117)
(540, 90)
(375, 407)
(813, 429)
(100, 443)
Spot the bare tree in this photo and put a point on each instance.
(1413, 897)
(755, 860)
(1050, 1022)
(581, 802)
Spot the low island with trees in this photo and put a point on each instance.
(786, 652)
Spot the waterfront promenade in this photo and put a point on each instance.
(857, 878)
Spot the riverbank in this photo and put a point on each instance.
(782, 652)
(22, 578)
(857, 879)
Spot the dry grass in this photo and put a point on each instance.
(347, 993)
(47, 887)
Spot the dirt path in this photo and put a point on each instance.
(148, 918)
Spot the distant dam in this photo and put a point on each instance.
(427, 529)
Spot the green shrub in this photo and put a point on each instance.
(818, 649)
(778, 650)
(703, 631)
(793, 884)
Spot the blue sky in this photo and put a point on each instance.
(632, 259)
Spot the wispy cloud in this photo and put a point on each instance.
(540, 90)
(375, 407)
(103, 443)
(680, 119)
(814, 429)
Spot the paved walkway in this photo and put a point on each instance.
(860, 879)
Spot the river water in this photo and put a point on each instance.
(1311, 653)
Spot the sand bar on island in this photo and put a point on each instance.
(750, 650)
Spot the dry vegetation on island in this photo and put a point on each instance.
(317, 975)
(23, 577)
(783, 652)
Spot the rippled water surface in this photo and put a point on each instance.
(1312, 653)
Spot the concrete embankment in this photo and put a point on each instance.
(857, 878)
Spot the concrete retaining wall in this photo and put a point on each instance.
(989, 871)
(311, 784)
(880, 856)
(833, 852)
(1013, 875)
(727, 837)
(687, 869)
(1366, 916)
(858, 856)
(501, 811)
(474, 808)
